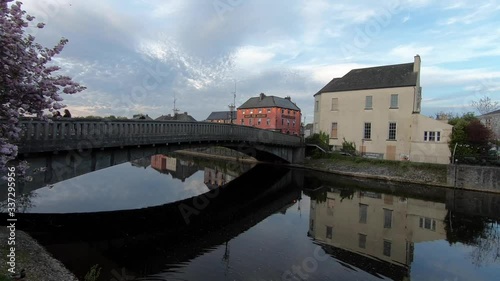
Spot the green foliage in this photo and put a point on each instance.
(349, 147)
(93, 273)
(470, 138)
(321, 140)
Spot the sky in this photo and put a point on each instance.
(138, 56)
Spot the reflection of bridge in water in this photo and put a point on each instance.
(188, 227)
(84, 134)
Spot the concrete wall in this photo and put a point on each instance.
(474, 177)
(427, 151)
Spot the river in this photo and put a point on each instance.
(173, 217)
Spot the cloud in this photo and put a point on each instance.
(135, 56)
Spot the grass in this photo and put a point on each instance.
(397, 168)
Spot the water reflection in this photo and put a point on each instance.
(161, 179)
(268, 223)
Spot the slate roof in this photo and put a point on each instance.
(221, 115)
(269, 101)
(388, 76)
(177, 117)
(492, 113)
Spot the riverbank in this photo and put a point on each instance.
(406, 172)
(38, 264)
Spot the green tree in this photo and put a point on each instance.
(470, 138)
(321, 140)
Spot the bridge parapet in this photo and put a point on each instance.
(68, 134)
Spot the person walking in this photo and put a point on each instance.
(67, 114)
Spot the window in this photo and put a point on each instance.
(268, 110)
(282, 121)
(387, 218)
(387, 248)
(268, 121)
(368, 131)
(432, 136)
(243, 111)
(333, 133)
(242, 121)
(329, 232)
(316, 106)
(260, 110)
(362, 240)
(259, 121)
(427, 223)
(250, 121)
(392, 131)
(394, 101)
(282, 111)
(335, 104)
(363, 213)
(288, 122)
(251, 111)
(368, 102)
(294, 123)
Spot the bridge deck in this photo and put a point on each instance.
(69, 134)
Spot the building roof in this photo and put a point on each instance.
(141, 116)
(222, 115)
(388, 76)
(492, 113)
(269, 101)
(177, 117)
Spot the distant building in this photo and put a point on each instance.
(221, 117)
(141, 116)
(271, 113)
(308, 130)
(177, 117)
(492, 121)
(378, 108)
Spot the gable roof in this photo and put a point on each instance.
(221, 115)
(269, 101)
(388, 76)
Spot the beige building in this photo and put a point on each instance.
(376, 230)
(378, 109)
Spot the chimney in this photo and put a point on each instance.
(416, 63)
(262, 96)
(288, 98)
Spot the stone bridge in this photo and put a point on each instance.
(39, 136)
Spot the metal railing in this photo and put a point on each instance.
(39, 135)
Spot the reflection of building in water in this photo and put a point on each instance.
(214, 178)
(375, 232)
(141, 162)
(179, 169)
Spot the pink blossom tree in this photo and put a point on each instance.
(28, 85)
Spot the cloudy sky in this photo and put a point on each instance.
(136, 56)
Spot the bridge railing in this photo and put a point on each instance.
(106, 133)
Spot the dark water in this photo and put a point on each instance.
(177, 218)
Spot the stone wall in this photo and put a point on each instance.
(474, 177)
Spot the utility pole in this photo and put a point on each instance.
(233, 105)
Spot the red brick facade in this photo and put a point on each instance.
(270, 115)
